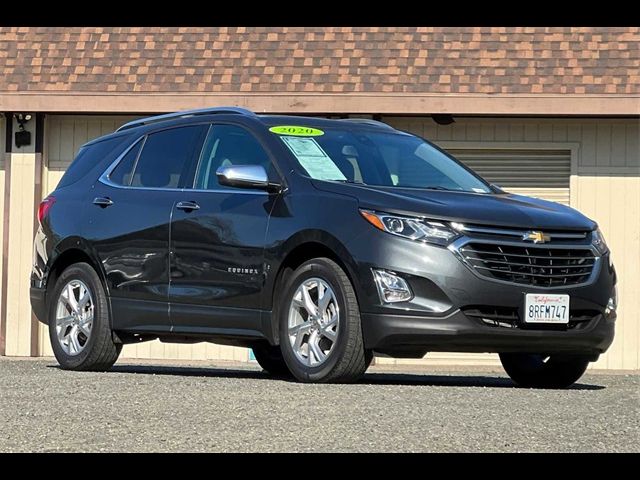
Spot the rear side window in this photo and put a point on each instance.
(87, 158)
(166, 157)
(121, 175)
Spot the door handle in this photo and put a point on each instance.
(187, 206)
(103, 202)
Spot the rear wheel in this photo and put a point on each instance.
(79, 326)
(320, 330)
(544, 371)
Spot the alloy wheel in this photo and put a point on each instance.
(313, 324)
(74, 317)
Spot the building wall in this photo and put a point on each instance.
(3, 156)
(605, 185)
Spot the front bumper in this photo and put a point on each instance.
(444, 288)
(413, 336)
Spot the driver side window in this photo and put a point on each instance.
(228, 145)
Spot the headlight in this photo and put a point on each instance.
(597, 240)
(412, 228)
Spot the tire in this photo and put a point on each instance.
(345, 359)
(97, 352)
(532, 371)
(271, 361)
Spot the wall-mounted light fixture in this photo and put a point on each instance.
(22, 136)
(443, 118)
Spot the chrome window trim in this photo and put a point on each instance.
(518, 233)
(105, 180)
(455, 246)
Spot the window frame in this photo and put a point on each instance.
(104, 178)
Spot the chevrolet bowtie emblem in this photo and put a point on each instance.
(536, 237)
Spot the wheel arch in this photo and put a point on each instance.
(301, 248)
(65, 254)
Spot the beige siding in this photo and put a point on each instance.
(21, 208)
(3, 156)
(605, 185)
(65, 134)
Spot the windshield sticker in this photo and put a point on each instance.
(296, 131)
(313, 158)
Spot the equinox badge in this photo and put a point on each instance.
(536, 237)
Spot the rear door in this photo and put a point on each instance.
(130, 217)
(217, 240)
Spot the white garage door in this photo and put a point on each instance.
(537, 173)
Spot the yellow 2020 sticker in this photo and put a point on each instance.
(296, 131)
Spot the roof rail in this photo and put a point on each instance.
(184, 114)
(368, 121)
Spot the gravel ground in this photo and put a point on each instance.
(223, 408)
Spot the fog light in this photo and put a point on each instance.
(391, 287)
(612, 304)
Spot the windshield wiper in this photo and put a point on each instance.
(444, 189)
(349, 181)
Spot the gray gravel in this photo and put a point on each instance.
(138, 407)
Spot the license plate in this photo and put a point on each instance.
(543, 308)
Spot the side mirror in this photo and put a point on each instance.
(246, 176)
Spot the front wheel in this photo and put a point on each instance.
(544, 371)
(320, 329)
(79, 326)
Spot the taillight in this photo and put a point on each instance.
(44, 207)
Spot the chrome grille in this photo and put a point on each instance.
(528, 265)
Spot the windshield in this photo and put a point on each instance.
(378, 158)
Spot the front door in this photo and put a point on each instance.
(217, 241)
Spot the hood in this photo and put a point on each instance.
(499, 209)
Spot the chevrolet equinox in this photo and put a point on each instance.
(316, 243)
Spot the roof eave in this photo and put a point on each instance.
(362, 103)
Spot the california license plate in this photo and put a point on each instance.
(544, 308)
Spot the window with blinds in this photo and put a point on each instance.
(537, 173)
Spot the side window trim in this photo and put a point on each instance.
(104, 178)
(202, 150)
(135, 163)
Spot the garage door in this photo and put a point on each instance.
(537, 173)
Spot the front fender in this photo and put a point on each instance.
(277, 258)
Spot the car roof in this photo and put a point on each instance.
(186, 117)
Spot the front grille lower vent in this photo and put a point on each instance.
(527, 265)
(508, 317)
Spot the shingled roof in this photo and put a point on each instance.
(441, 60)
(246, 60)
